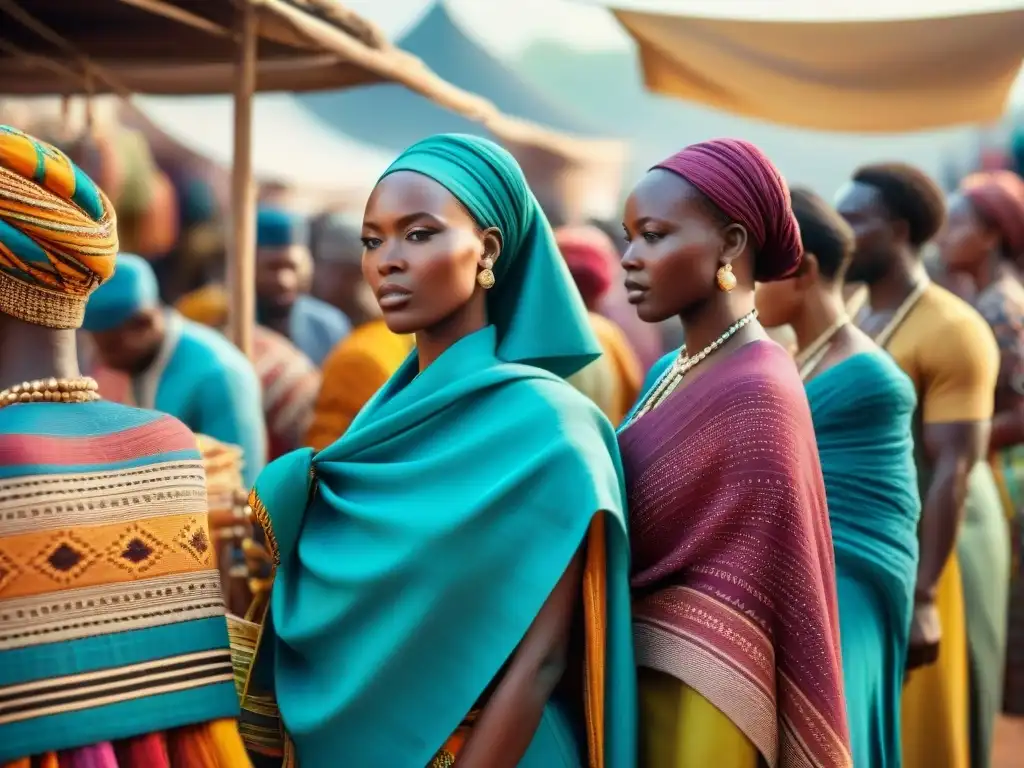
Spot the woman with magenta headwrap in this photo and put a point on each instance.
(433, 562)
(983, 244)
(734, 597)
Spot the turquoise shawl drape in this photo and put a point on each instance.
(416, 551)
(863, 410)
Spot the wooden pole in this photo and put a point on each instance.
(241, 273)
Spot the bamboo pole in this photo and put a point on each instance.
(241, 272)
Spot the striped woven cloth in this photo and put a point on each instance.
(58, 233)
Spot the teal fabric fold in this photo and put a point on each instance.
(437, 527)
(417, 549)
(863, 410)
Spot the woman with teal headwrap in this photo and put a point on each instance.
(862, 405)
(429, 562)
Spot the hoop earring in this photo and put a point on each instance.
(726, 279)
(486, 276)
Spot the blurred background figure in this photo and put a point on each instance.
(289, 381)
(177, 366)
(981, 248)
(284, 275)
(612, 381)
(338, 267)
(948, 351)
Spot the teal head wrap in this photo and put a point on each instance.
(534, 305)
(276, 228)
(132, 289)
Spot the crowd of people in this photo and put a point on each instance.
(487, 526)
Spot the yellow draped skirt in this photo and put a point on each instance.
(679, 728)
(935, 699)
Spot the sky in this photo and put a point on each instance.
(508, 26)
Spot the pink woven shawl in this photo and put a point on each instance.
(733, 571)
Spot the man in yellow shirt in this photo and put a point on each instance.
(949, 352)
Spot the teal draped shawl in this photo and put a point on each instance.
(863, 410)
(416, 551)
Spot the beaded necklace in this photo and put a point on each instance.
(683, 364)
(78, 390)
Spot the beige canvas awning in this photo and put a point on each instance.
(176, 47)
(879, 67)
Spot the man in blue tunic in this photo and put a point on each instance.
(177, 366)
(284, 275)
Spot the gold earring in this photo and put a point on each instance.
(486, 276)
(726, 279)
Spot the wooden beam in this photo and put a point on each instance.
(242, 258)
(88, 69)
(175, 13)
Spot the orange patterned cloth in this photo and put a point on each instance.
(353, 372)
(58, 233)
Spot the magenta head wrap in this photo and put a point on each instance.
(999, 197)
(738, 178)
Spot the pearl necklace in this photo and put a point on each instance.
(682, 365)
(78, 390)
(808, 358)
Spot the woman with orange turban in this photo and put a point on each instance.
(113, 641)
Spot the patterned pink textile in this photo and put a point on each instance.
(290, 385)
(733, 571)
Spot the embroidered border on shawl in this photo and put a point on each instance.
(109, 608)
(810, 738)
(72, 693)
(46, 562)
(741, 682)
(715, 678)
(45, 502)
(261, 516)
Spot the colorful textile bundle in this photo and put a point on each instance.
(110, 592)
(223, 465)
(226, 496)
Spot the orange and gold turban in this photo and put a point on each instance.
(58, 233)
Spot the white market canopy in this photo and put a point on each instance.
(875, 66)
(290, 145)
